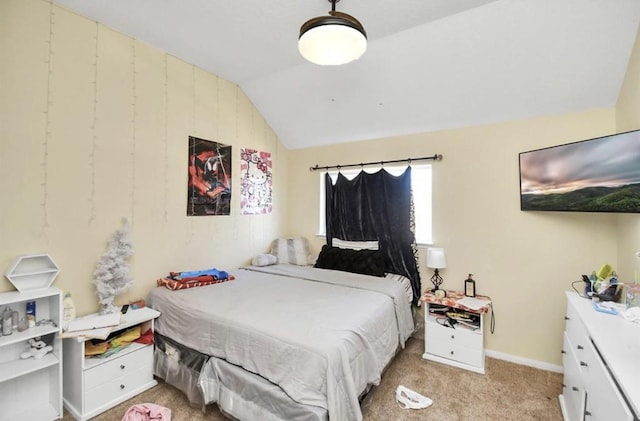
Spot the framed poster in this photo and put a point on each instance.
(256, 182)
(209, 188)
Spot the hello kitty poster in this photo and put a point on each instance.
(256, 182)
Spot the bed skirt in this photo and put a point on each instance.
(239, 394)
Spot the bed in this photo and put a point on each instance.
(281, 342)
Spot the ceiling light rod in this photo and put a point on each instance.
(436, 157)
(332, 40)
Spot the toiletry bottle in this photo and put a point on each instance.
(14, 319)
(31, 313)
(6, 322)
(69, 308)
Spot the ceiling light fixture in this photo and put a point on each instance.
(332, 40)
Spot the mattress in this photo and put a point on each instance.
(321, 336)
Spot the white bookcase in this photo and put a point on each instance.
(93, 385)
(31, 389)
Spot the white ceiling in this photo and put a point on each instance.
(430, 64)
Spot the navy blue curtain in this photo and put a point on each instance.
(375, 207)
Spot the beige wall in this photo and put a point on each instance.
(523, 260)
(94, 127)
(628, 118)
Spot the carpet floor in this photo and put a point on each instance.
(506, 392)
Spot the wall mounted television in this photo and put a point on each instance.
(594, 175)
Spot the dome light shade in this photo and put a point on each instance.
(332, 40)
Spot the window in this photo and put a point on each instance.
(420, 186)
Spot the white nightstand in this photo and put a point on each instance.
(458, 344)
(93, 385)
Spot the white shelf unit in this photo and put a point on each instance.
(32, 271)
(29, 388)
(94, 385)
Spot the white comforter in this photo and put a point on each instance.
(321, 335)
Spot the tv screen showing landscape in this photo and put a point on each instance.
(595, 175)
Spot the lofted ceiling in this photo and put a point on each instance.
(430, 64)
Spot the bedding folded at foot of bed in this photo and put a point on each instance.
(192, 279)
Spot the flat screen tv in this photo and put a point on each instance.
(594, 175)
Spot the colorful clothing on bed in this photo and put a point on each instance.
(217, 274)
(192, 279)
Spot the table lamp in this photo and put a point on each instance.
(436, 260)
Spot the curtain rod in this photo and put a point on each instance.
(436, 157)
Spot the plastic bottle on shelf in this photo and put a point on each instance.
(14, 319)
(7, 327)
(31, 313)
(69, 307)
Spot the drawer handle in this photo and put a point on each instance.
(122, 366)
(583, 364)
(566, 318)
(580, 347)
(451, 352)
(562, 351)
(121, 387)
(575, 389)
(453, 336)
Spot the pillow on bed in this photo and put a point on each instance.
(406, 283)
(366, 262)
(354, 245)
(291, 250)
(264, 260)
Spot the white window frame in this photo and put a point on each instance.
(421, 186)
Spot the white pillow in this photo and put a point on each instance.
(406, 283)
(355, 245)
(291, 250)
(264, 260)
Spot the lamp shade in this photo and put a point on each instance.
(332, 40)
(435, 258)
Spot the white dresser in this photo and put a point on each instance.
(93, 385)
(601, 360)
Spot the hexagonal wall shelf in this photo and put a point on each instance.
(33, 271)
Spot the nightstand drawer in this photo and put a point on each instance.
(118, 367)
(471, 356)
(118, 387)
(436, 333)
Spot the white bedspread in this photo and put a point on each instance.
(321, 335)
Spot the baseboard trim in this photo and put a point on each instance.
(523, 361)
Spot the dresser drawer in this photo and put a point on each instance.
(118, 387)
(117, 367)
(462, 337)
(578, 336)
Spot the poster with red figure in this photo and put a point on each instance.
(209, 188)
(255, 182)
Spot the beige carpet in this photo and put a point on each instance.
(506, 392)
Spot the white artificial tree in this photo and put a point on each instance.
(112, 270)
